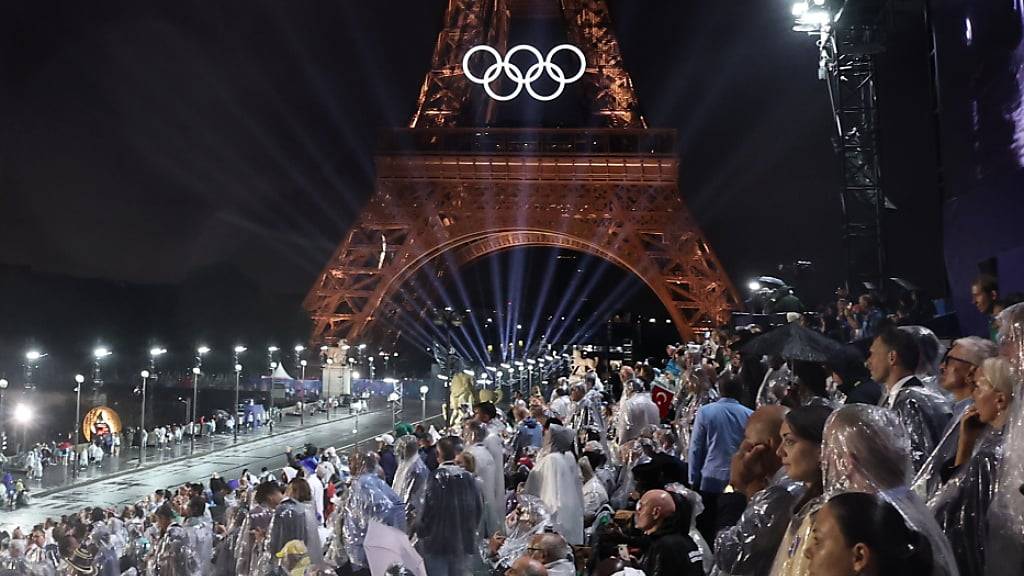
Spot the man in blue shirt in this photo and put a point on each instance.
(717, 433)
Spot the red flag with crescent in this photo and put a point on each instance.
(662, 398)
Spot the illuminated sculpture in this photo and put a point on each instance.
(447, 188)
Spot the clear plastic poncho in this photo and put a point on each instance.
(369, 497)
(289, 523)
(588, 416)
(411, 478)
(867, 449)
(253, 537)
(200, 535)
(749, 547)
(452, 509)
(174, 555)
(531, 517)
(1006, 515)
(637, 411)
(557, 481)
(491, 474)
(924, 414)
(690, 525)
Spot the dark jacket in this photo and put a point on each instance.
(671, 553)
(866, 391)
(429, 455)
(388, 463)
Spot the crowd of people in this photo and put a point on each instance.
(895, 457)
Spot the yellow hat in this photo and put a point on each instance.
(292, 548)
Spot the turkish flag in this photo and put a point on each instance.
(663, 398)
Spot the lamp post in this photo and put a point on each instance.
(238, 377)
(98, 355)
(393, 399)
(142, 419)
(3, 420)
(270, 358)
(423, 402)
(31, 359)
(195, 399)
(22, 414)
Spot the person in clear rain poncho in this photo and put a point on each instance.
(530, 517)
(411, 478)
(294, 519)
(587, 412)
(200, 532)
(961, 504)
(636, 411)
(452, 509)
(368, 498)
(866, 449)
(698, 381)
(173, 554)
(923, 412)
(474, 434)
(251, 556)
(557, 481)
(748, 547)
(1006, 512)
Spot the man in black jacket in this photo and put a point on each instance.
(667, 550)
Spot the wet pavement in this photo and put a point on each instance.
(119, 481)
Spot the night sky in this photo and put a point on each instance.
(152, 142)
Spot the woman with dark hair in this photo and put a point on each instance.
(859, 533)
(800, 451)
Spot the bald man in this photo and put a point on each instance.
(551, 550)
(748, 547)
(669, 550)
(526, 566)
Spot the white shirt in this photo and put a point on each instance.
(889, 398)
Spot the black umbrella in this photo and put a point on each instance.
(794, 342)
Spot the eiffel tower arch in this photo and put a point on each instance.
(447, 188)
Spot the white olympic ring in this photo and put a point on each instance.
(515, 74)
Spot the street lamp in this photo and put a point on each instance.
(423, 400)
(142, 419)
(238, 378)
(98, 354)
(22, 415)
(195, 401)
(3, 421)
(393, 399)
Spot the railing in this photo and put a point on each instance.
(556, 141)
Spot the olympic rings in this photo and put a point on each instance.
(516, 75)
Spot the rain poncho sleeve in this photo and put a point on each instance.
(1006, 514)
(452, 509)
(252, 541)
(369, 498)
(289, 524)
(557, 481)
(750, 545)
(929, 476)
(594, 496)
(924, 414)
(961, 505)
(867, 449)
(174, 554)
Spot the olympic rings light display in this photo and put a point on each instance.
(516, 75)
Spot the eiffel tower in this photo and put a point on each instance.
(454, 185)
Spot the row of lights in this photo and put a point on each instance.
(812, 16)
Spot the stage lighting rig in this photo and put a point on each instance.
(849, 34)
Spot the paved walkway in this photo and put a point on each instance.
(56, 478)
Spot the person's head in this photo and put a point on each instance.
(994, 392)
(426, 439)
(363, 462)
(97, 515)
(558, 438)
(473, 432)
(811, 378)
(961, 362)
(654, 509)
(446, 449)
(867, 302)
(984, 293)
(763, 429)
(526, 566)
(467, 460)
(894, 354)
(537, 413)
(548, 547)
(485, 412)
(164, 516)
(196, 507)
(38, 537)
(859, 533)
(801, 435)
(577, 391)
(269, 494)
(730, 386)
(298, 490)
(626, 374)
(407, 447)
(865, 448)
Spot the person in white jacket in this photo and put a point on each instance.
(474, 434)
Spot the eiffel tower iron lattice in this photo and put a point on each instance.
(465, 192)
